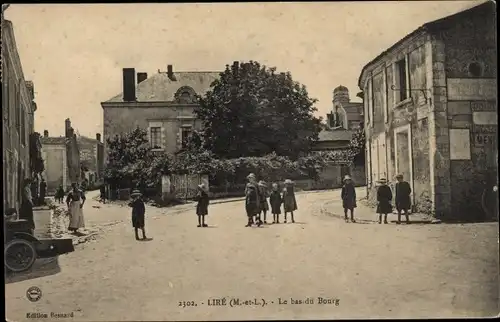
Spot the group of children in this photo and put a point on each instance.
(384, 199)
(257, 206)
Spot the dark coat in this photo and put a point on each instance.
(276, 201)
(289, 201)
(403, 200)
(384, 197)
(60, 193)
(202, 205)
(348, 195)
(252, 199)
(138, 213)
(264, 205)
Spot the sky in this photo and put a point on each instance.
(74, 53)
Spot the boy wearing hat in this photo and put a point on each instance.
(348, 195)
(384, 197)
(289, 201)
(252, 201)
(138, 213)
(403, 200)
(202, 206)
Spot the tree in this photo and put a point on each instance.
(356, 149)
(253, 111)
(131, 161)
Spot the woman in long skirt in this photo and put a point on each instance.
(75, 201)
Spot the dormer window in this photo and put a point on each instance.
(185, 95)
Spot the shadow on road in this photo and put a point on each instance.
(41, 268)
(146, 239)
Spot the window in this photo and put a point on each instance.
(185, 134)
(401, 80)
(155, 137)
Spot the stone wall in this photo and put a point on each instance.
(464, 58)
(421, 173)
(120, 120)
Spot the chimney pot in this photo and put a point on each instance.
(129, 84)
(141, 77)
(45, 133)
(170, 73)
(98, 137)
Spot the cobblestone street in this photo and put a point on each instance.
(384, 271)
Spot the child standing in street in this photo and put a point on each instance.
(276, 201)
(138, 214)
(289, 201)
(59, 196)
(403, 200)
(202, 206)
(348, 195)
(264, 205)
(384, 197)
(252, 201)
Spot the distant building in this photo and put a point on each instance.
(345, 118)
(163, 104)
(21, 157)
(62, 159)
(431, 112)
(91, 158)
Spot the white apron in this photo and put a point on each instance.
(76, 215)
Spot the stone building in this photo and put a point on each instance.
(431, 113)
(91, 158)
(163, 104)
(62, 159)
(345, 118)
(21, 156)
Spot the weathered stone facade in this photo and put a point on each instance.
(18, 108)
(433, 115)
(62, 159)
(91, 158)
(164, 101)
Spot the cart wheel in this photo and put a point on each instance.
(20, 255)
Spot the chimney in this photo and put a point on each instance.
(98, 137)
(170, 73)
(45, 133)
(129, 84)
(141, 77)
(67, 127)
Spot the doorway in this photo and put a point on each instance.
(403, 154)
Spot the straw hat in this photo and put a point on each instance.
(382, 180)
(347, 177)
(288, 181)
(135, 193)
(251, 176)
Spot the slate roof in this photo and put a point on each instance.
(53, 140)
(429, 26)
(335, 135)
(160, 88)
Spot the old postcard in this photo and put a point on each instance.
(250, 161)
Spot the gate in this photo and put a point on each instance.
(184, 186)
